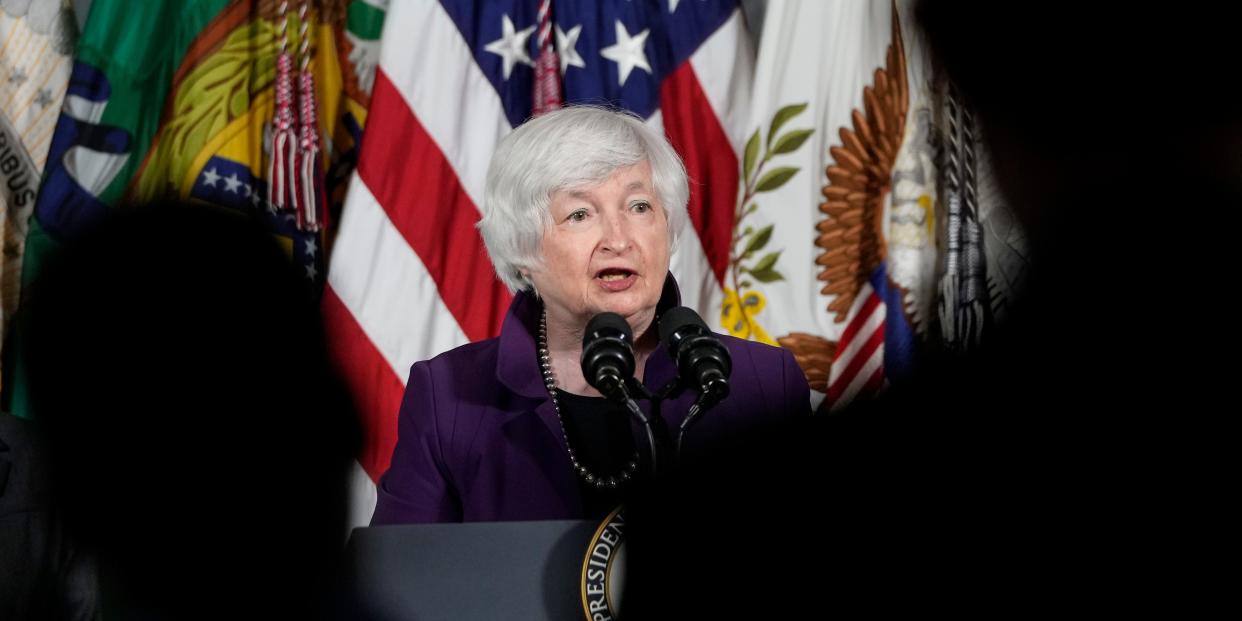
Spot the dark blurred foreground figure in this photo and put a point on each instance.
(1083, 458)
(46, 576)
(199, 444)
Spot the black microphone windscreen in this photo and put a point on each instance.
(677, 318)
(610, 322)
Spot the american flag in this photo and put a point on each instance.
(409, 277)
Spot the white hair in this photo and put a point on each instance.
(568, 148)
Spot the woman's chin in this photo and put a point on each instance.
(624, 305)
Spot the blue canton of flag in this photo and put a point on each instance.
(231, 184)
(612, 53)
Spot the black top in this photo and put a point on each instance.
(599, 433)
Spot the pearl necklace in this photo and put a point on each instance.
(549, 380)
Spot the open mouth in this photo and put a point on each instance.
(614, 274)
(616, 279)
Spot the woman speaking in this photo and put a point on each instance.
(582, 209)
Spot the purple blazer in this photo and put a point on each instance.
(479, 440)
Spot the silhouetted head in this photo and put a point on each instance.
(201, 444)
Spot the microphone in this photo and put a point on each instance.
(702, 360)
(608, 364)
(608, 355)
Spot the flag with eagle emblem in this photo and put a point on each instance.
(859, 148)
(836, 252)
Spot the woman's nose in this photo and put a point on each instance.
(616, 234)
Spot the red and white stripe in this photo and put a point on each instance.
(409, 276)
(858, 366)
(704, 109)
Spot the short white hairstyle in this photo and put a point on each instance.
(569, 148)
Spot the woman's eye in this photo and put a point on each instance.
(641, 207)
(577, 216)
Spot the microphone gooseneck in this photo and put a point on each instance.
(608, 366)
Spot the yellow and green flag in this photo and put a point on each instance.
(175, 98)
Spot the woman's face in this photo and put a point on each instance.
(607, 250)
